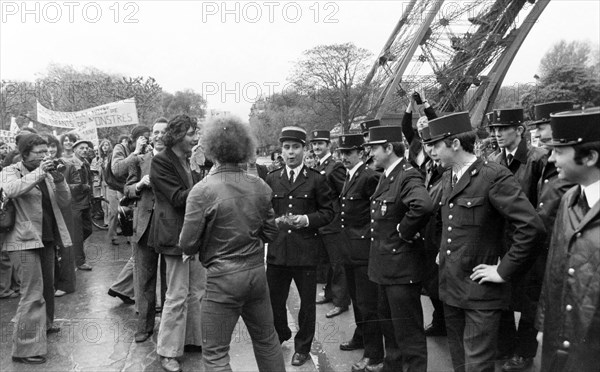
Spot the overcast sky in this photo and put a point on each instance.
(232, 56)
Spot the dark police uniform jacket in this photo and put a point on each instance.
(402, 201)
(335, 173)
(309, 195)
(527, 166)
(473, 217)
(569, 309)
(356, 215)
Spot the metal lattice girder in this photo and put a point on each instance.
(445, 49)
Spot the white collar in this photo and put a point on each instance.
(322, 160)
(389, 169)
(296, 170)
(592, 193)
(352, 171)
(513, 152)
(465, 167)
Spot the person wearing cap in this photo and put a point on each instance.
(360, 183)
(526, 162)
(336, 290)
(478, 199)
(79, 177)
(550, 189)
(419, 155)
(400, 208)
(569, 310)
(364, 127)
(302, 204)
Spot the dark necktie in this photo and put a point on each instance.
(454, 180)
(509, 159)
(291, 177)
(583, 203)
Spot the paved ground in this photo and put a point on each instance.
(97, 330)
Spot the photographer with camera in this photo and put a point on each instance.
(64, 268)
(79, 178)
(125, 154)
(38, 192)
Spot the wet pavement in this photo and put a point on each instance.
(97, 330)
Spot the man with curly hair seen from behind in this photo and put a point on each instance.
(228, 219)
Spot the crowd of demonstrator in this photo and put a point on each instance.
(485, 228)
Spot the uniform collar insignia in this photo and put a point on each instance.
(473, 172)
(282, 170)
(304, 172)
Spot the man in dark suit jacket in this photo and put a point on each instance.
(478, 198)
(526, 163)
(400, 208)
(301, 199)
(360, 183)
(336, 290)
(146, 259)
(171, 179)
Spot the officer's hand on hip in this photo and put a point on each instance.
(486, 273)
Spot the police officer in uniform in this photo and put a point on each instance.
(364, 127)
(360, 183)
(526, 162)
(301, 200)
(336, 290)
(478, 197)
(569, 311)
(400, 208)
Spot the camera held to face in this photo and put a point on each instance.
(57, 165)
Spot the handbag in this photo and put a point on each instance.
(125, 216)
(7, 213)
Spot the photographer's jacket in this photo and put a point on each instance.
(308, 195)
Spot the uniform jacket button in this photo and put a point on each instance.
(289, 231)
(571, 271)
(451, 205)
(566, 344)
(569, 307)
(450, 217)
(578, 235)
(448, 252)
(449, 241)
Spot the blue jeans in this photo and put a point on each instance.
(228, 297)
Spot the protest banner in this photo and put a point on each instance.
(112, 114)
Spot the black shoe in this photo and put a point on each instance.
(125, 299)
(299, 359)
(362, 364)
(351, 345)
(192, 348)
(142, 336)
(435, 330)
(517, 363)
(323, 300)
(38, 359)
(336, 311)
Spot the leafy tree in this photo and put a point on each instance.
(332, 77)
(575, 53)
(186, 102)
